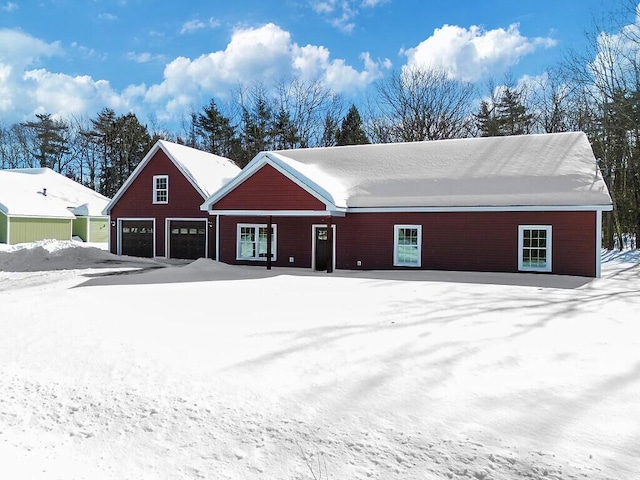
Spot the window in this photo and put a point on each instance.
(252, 242)
(161, 189)
(534, 248)
(407, 245)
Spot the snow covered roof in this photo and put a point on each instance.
(528, 170)
(205, 171)
(41, 192)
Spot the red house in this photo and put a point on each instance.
(530, 203)
(156, 213)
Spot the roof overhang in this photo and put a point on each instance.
(150, 154)
(279, 213)
(275, 161)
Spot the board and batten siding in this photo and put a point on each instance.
(4, 225)
(137, 202)
(80, 228)
(29, 229)
(268, 189)
(98, 230)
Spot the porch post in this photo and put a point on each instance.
(269, 242)
(329, 246)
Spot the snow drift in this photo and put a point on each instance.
(211, 371)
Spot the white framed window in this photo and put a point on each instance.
(407, 245)
(161, 189)
(252, 242)
(534, 248)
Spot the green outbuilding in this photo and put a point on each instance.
(40, 204)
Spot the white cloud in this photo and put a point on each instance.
(64, 95)
(341, 13)
(144, 57)
(192, 26)
(472, 54)
(9, 7)
(264, 54)
(195, 25)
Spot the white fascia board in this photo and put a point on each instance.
(274, 160)
(245, 173)
(278, 213)
(506, 208)
(132, 177)
(304, 182)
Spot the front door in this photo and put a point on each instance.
(320, 253)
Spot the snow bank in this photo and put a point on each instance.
(237, 373)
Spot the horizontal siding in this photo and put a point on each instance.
(22, 230)
(137, 202)
(481, 241)
(268, 189)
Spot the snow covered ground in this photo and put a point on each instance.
(204, 370)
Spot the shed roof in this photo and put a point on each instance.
(41, 192)
(527, 170)
(207, 172)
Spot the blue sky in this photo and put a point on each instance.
(160, 59)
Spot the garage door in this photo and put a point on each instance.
(187, 238)
(137, 238)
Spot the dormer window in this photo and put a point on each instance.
(161, 189)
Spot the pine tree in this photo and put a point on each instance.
(351, 131)
(216, 130)
(486, 121)
(50, 143)
(512, 115)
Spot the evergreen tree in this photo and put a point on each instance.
(216, 130)
(486, 121)
(329, 132)
(284, 133)
(512, 115)
(50, 142)
(351, 131)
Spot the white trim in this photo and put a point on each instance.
(548, 248)
(155, 201)
(278, 213)
(217, 238)
(506, 208)
(598, 244)
(135, 219)
(167, 233)
(313, 244)
(257, 227)
(275, 161)
(396, 262)
(341, 212)
(143, 163)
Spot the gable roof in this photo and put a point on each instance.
(556, 170)
(205, 171)
(41, 192)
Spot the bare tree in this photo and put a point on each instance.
(424, 104)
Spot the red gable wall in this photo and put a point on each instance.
(137, 200)
(268, 189)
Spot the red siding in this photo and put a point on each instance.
(481, 241)
(268, 189)
(137, 202)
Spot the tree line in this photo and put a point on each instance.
(600, 97)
